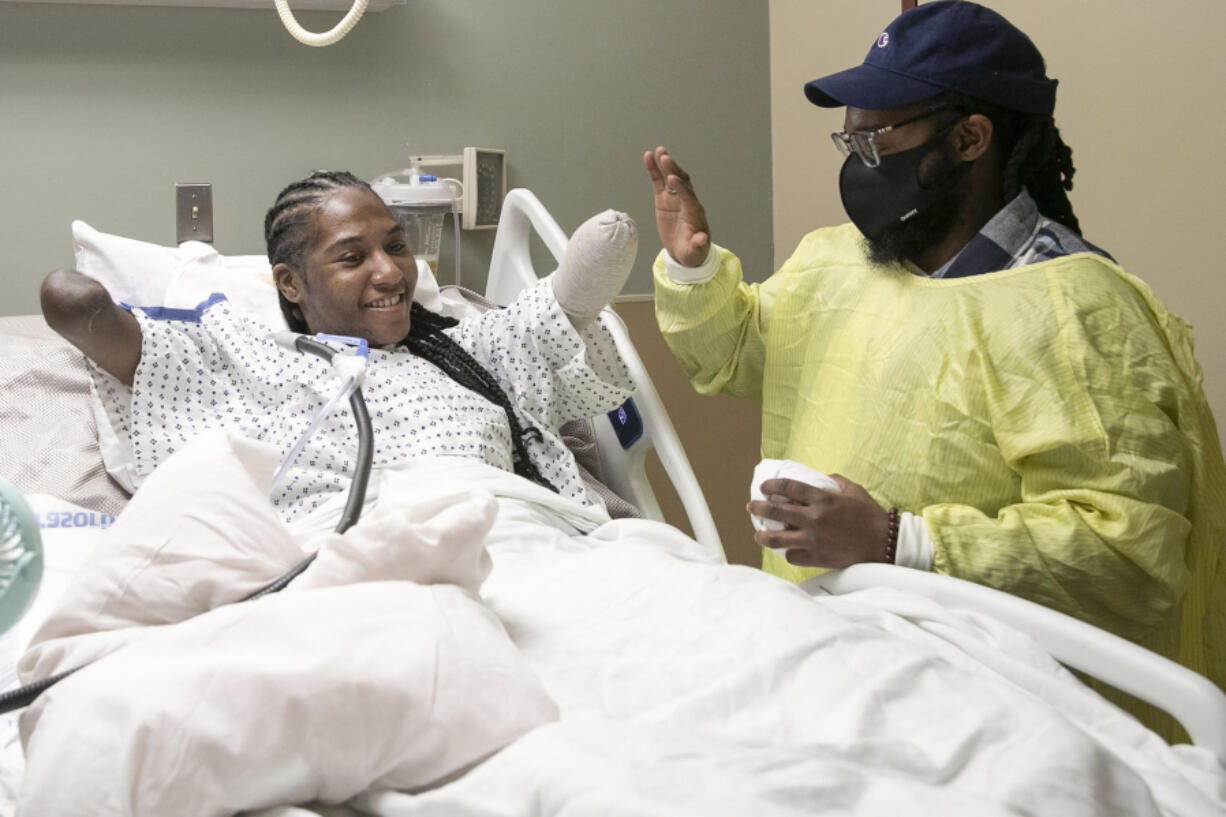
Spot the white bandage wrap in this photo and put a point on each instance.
(597, 263)
(700, 274)
(915, 546)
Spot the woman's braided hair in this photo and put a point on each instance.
(1036, 158)
(287, 232)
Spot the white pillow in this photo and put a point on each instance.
(143, 274)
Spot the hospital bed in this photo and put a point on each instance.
(34, 362)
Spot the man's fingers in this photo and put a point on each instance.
(795, 490)
(681, 186)
(649, 162)
(670, 166)
(795, 516)
(653, 170)
(796, 551)
(675, 176)
(800, 558)
(779, 539)
(796, 548)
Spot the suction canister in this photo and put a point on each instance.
(420, 202)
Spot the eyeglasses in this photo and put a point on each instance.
(861, 142)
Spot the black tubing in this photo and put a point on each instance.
(24, 696)
(366, 453)
(361, 475)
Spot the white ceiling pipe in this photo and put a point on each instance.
(327, 38)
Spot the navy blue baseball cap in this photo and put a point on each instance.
(949, 45)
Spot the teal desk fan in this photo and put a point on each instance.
(21, 556)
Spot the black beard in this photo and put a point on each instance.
(925, 230)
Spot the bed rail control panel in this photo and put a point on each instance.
(627, 423)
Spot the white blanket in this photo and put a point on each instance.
(693, 688)
(722, 690)
(366, 672)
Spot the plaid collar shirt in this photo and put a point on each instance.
(1017, 235)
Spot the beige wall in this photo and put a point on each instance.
(1140, 102)
(720, 436)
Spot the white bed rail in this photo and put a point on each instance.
(624, 470)
(1190, 698)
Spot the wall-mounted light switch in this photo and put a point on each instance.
(193, 212)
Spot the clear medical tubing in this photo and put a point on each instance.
(347, 388)
(24, 696)
(326, 38)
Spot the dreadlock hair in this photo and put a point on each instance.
(287, 231)
(1036, 158)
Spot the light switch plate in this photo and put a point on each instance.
(193, 212)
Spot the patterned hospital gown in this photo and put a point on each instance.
(210, 368)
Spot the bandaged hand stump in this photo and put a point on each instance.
(596, 265)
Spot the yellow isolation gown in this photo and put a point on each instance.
(1047, 422)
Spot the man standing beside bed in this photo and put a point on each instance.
(998, 399)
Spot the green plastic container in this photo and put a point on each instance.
(21, 556)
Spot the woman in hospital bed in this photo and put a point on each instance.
(630, 664)
(493, 389)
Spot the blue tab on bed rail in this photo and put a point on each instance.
(627, 423)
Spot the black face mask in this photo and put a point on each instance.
(877, 198)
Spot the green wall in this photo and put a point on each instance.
(103, 108)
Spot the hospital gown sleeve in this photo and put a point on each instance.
(1086, 410)
(552, 372)
(200, 369)
(716, 329)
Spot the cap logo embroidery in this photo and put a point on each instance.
(883, 40)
